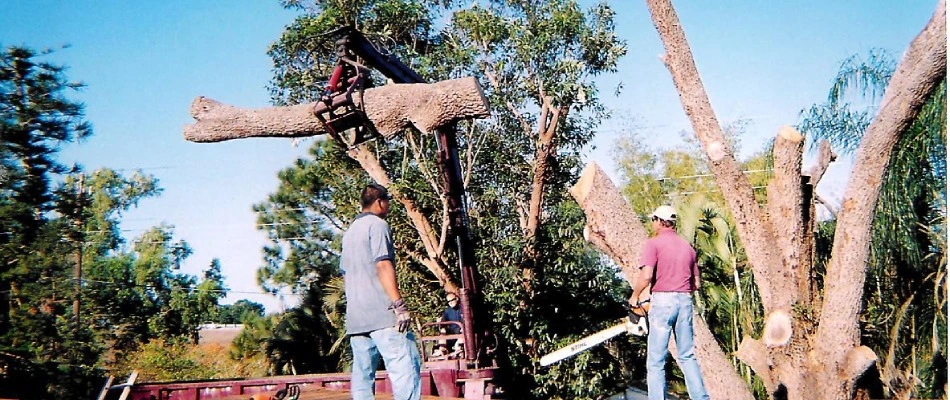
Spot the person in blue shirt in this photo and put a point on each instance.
(377, 319)
(452, 313)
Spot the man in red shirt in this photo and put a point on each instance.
(669, 263)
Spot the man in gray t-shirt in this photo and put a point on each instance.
(377, 319)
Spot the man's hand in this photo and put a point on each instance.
(402, 315)
(638, 308)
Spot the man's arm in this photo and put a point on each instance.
(643, 282)
(386, 272)
(648, 261)
(696, 279)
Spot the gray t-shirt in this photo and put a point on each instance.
(365, 242)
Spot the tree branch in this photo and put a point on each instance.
(828, 206)
(755, 354)
(785, 207)
(511, 107)
(755, 231)
(371, 165)
(825, 157)
(923, 66)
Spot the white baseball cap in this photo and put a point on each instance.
(665, 213)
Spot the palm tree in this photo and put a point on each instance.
(728, 300)
(904, 320)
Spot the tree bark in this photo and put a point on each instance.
(808, 279)
(784, 194)
(391, 109)
(551, 116)
(614, 229)
(923, 66)
(754, 228)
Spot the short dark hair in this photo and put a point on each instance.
(371, 193)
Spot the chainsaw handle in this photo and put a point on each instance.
(641, 308)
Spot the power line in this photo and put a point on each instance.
(672, 194)
(708, 175)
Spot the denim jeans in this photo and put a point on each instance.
(402, 359)
(672, 313)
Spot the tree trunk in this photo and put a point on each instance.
(753, 226)
(791, 356)
(551, 116)
(391, 109)
(618, 232)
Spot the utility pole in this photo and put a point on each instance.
(79, 238)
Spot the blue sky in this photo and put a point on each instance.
(144, 62)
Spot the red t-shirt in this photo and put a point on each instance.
(672, 260)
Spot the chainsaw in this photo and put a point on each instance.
(635, 324)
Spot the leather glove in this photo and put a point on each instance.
(402, 315)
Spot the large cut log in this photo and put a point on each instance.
(617, 231)
(391, 109)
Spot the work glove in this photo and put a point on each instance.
(402, 315)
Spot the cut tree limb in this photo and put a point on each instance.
(391, 108)
(825, 157)
(778, 329)
(921, 69)
(785, 207)
(611, 225)
(859, 359)
(617, 231)
(754, 353)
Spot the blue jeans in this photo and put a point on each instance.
(402, 359)
(672, 313)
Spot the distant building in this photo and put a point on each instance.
(222, 334)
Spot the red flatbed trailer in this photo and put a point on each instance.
(314, 386)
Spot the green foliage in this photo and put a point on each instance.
(238, 312)
(548, 67)
(35, 116)
(50, 224)
(839, 120)
(54, 219)
(578, 294)
(300, 340)
(173, 360)
(36, 251)
(655, 176)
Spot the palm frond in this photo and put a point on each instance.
(840, 125)
(870, 75)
